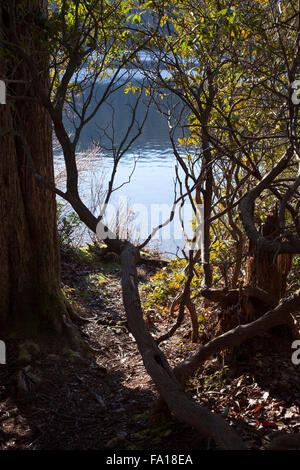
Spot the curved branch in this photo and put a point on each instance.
(231, 296)
(207, 423)
(238, 335)
(271, 246)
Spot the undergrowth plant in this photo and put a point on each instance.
(67, 225)
(161, 289)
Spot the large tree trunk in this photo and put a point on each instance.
(265, 284)
(31, 301)
(265, 270)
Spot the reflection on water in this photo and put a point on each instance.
(151, 185)
(110, 124)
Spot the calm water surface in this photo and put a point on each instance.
(150, 192)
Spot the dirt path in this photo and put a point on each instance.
(65, 402)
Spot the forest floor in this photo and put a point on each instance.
(63, 401)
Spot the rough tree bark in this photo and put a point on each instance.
(268, 271)
(31, 301)
(265, 283)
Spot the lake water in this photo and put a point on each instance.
(150, 193)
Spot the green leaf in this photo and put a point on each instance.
(136, 19)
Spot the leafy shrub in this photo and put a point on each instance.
(165, 284)
(67, 224)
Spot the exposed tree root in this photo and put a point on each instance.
(230, 297)
(235, 337)
(238, 335)
(207, 423)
